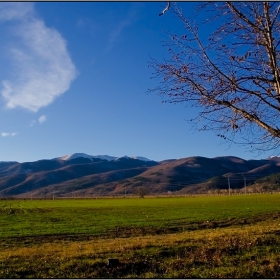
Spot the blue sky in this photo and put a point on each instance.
(74, 78)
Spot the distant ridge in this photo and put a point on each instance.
(82, 155)
(106, 157)
(81, 174)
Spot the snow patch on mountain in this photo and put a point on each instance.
(106, 157)
(73, 156)
(83, 155)
(135, 157)
(273, 157)
(141, 158)
(122, 157)
(109, 158)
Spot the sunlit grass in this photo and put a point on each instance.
(97, 216)
(205, 237)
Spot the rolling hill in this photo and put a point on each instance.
(84, 175)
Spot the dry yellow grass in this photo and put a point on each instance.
(101, 245)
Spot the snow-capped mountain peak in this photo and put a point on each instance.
(141, 158)
(122, 157)
(83, 155)
(135, 157)
(72, 156)
(109, 158)
(274, 158)
(106, 157)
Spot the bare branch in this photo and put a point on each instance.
(233, 77)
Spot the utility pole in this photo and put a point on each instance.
(228, 186)
(125, 192)
(245, 185)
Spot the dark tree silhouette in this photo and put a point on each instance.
(232, 76)
(142, 191)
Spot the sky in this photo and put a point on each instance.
(74, 78)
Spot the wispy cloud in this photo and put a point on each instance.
(42, 119)
(6, 134)
(16, 10)
(130, 18)
(118, 29)
(41, 63)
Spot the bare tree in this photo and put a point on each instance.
(232, 76)
(142, 191)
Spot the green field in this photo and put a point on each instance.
(199, 236)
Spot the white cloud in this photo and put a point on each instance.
(14, 10)
(41, 63)
(6, 134)
(42, 119)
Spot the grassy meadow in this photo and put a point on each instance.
(196, 236)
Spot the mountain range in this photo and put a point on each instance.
(85, 175)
